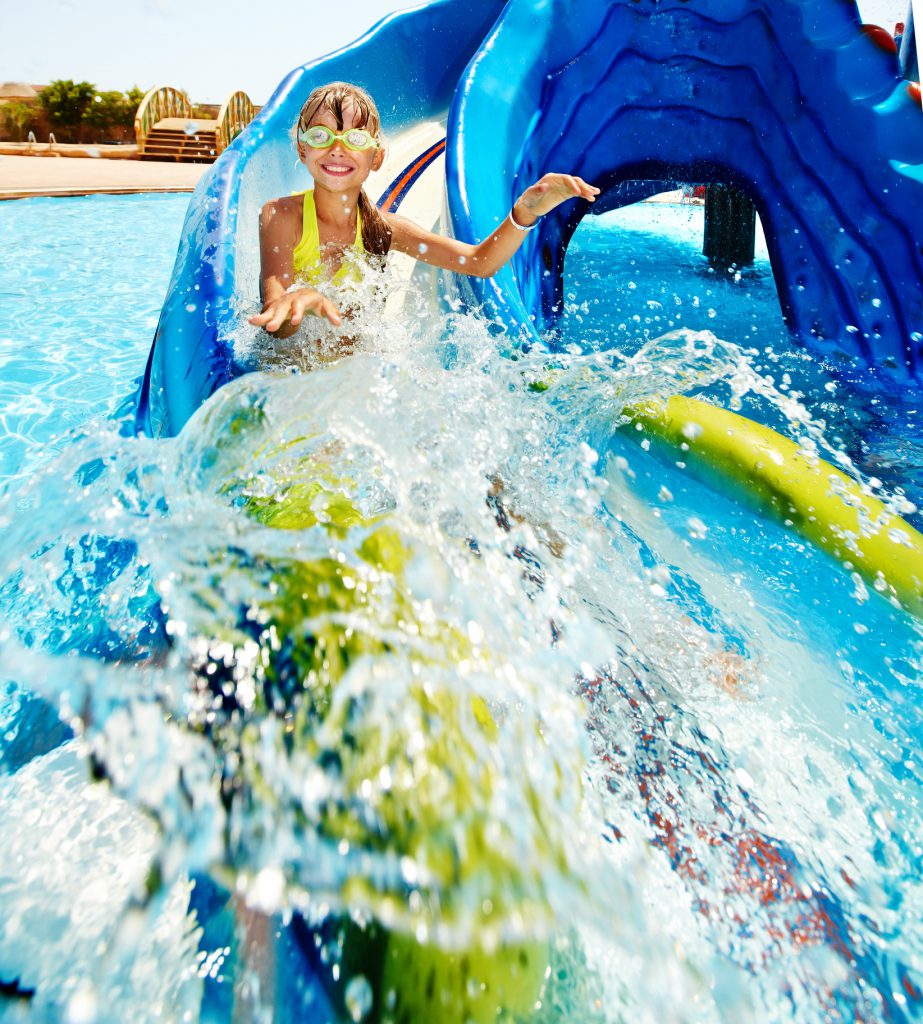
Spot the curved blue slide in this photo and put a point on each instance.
(411, 64)
(790, 100)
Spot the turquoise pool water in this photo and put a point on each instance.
(81, 285)
(743, 716)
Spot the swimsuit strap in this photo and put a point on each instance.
(306, 261)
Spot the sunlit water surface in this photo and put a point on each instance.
(407, 638)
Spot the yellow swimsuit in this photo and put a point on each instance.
(307, 263)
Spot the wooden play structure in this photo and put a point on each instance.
(166, 129)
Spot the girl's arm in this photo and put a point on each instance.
(283, 311)
(486, 258)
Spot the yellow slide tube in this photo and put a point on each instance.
(806, 494)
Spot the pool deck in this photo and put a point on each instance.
(25, 176)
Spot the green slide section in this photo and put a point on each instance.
(802, 491)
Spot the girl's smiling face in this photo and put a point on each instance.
(339, 169)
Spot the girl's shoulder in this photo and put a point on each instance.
(284, 206)
(281, 221)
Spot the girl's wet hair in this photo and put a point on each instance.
(376, 235)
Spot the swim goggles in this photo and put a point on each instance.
(322, 137)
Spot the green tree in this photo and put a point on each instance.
(108, 110)
(65, 102)
(135, 96)
(16, 115)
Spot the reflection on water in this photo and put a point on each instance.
(403, 688)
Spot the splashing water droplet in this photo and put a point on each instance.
(358, 998)
(697, 529)
(82, 1007)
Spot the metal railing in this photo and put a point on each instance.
(33, 142)
(235, 114)
(164, 101)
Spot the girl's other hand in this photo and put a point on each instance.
(292, 307)
(549, 192)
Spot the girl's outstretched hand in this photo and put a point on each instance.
(293, 306)
(549, 192)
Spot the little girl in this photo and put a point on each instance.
(304, 238)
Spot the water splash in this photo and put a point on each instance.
(402, 640)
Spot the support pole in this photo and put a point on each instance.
(909, 53)
(730, 226)
(916, 16)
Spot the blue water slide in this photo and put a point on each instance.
(410, 63)
(792, 101)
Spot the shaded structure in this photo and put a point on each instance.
(730, 227)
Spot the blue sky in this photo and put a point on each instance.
(208, 48)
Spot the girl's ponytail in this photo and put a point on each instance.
(376, 235)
